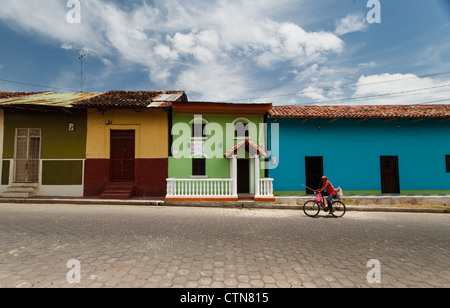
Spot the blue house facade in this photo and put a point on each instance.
(362, 149)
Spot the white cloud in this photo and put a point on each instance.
(403, 89)
(351, 23)
(106, 62)
(66, 46)
(314, 93)
(370, 64)
(199, 45)
(217, 82)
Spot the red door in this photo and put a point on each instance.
(123, 150)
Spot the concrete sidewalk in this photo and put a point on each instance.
(439, 203)
(367, 203)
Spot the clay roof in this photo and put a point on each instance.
(362, 111)
(17, 94)
(250, 147)
(133, 99)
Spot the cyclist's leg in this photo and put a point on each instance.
(330, 202)
(324, 195)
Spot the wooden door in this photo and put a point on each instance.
(243, 174)
(123, 150)
(314, 172)
(390, 178)
(27, 155)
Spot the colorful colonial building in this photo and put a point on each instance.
(127, 145)
(218, 152)
(363, 149)
(43, 144)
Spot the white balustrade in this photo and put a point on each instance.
(266, 187)
(210, 188)
(201, 188)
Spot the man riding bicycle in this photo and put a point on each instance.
(329, 191)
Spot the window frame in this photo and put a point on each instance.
(203, 136)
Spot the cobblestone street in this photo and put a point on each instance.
(127, 246)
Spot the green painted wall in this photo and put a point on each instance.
(56, 140)
(5, 172)
(216, 165)
(62, 173)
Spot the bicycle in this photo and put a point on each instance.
(312, 208)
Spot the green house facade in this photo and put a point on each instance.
(43, 145)
(218, 152)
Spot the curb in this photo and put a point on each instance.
(235, 205)
(83, 201)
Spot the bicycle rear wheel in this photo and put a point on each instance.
(311, 209)
(339, 209)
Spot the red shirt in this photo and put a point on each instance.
(329, 188)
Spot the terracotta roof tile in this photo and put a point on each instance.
(132, 99)
(362, 111)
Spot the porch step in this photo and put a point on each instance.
(120, 191)
(20, 190)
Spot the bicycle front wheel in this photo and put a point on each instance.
(311, 209)
(339, 209)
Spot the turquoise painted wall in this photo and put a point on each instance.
(351, 153)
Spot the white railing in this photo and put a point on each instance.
(266, 187)
(201, 188)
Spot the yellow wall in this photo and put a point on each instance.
(150, 126)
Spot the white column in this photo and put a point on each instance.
(234, 175)
(257, 176)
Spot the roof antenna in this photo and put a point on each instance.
(82, 55)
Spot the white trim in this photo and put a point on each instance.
(241, 119)
(234, 162)
(257, 176)
(197, 118)
(199, 177)
(60, 190)
(252, 175)
(198, 154)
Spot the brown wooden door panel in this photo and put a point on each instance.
(390, 177)
(123, 151)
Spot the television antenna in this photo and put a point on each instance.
(82, 55)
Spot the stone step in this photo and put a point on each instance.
(20, 189)
(16, 195)
(113, 195)
(35, 185)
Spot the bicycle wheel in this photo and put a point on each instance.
(311, 209)
(339, 209)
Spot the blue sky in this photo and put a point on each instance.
(284, 51)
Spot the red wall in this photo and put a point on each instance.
(150, 177)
